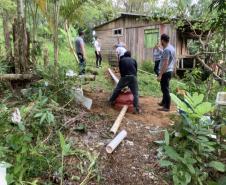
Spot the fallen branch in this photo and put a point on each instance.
(210, 69)
(11, 77)
(76, 118)
(222, 68)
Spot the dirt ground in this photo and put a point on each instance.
(135, 161)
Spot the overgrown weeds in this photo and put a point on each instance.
(32, 146)
(190, 149)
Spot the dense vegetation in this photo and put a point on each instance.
(36, 148)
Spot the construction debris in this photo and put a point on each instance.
(16, 117)
(86, 102)
(221, 99)
(71, 73)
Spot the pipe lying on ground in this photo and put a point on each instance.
(116, 141)
(88, 77)
(116, 80)
(119, 119)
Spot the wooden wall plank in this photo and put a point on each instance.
(134, 37)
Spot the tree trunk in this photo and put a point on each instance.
(21, 40)
(10, 77)
(66, 27)
(34, 12)
(16, 47)
(20, 8)
(216, 77)
(7, 36)
(46, 57)
(224, 53)
(55, 31)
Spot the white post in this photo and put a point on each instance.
(3, 175)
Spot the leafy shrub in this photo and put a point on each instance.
(21, 146)
(194, 82)
(189, 149)
(56, 84)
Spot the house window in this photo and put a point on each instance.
(151, 38)
(118, 32)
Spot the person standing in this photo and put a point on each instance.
(98, 52)
(128, 72)
(80, 50)
(157, 52)
(166, 69)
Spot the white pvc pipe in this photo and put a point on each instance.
(113, 76)
(119, 119)
(116, 141)
(3, 176)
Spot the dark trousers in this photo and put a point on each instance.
(156, 68)
(165, 82)
(98, 59)
(131, 82)
(82, 64)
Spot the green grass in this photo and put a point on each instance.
(148, 66)
(66, 58)
(102, 82)
(149, 86)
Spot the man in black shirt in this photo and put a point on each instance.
(128, 71)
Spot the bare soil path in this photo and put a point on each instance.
(135, 161)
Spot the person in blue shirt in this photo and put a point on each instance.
(166, 69)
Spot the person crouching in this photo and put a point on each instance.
(128, 72)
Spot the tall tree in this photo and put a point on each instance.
(21, 40)
(220, 22)
(7, 6)
(134, 6)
